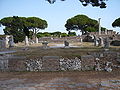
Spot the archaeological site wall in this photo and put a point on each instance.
(106, 60)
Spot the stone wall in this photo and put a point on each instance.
(70, 64)
(3, 65)
(33, 65)
(87, 62)
(50, 63)
(62, 39)
(107, 32)
(16, 65)
(93, 61)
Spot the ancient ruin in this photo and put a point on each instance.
(6, 41)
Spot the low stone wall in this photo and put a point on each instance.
(53, 63)
(46, 63)
(94, 61)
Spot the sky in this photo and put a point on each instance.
(57, 14)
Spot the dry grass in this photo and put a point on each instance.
(36, 50)
(77, 76)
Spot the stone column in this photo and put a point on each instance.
(99, 26)
(95, 41)
(106, 43)
(81, 40)
(101, 43)
(60, 36)
(6, 41)
(11, 41)
(105, 31)
(26, 41)
(36, 40)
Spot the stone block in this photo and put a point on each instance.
(3, 65)
(34, 64)
(70, 64)
(87, 62)
(17, 65)
(110, 56)
(51, 63)
(66, 43)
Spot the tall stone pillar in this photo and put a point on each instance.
(95, 41)
(99, 26)
(36, 40)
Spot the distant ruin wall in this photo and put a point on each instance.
(107, 32)
(62, 39)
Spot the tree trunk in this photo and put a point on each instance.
(82, 32)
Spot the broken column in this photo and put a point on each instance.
(95, 41)
(105, 31)
(36, 40)
(26, 41)
(11, 41)
(101, 43)
(106, 43)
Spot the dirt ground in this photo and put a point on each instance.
(62, 80)
(72, 80)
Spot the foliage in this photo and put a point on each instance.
(116, 23)
(64, 35)
(40, 34)
(35, 24)
(90, 29)
(81, 22)
(54, 34)
(45, 34)
(30, 34)
(96, 3)
(13, 27)
(71, 33)
(103, 29)
(20, 27)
